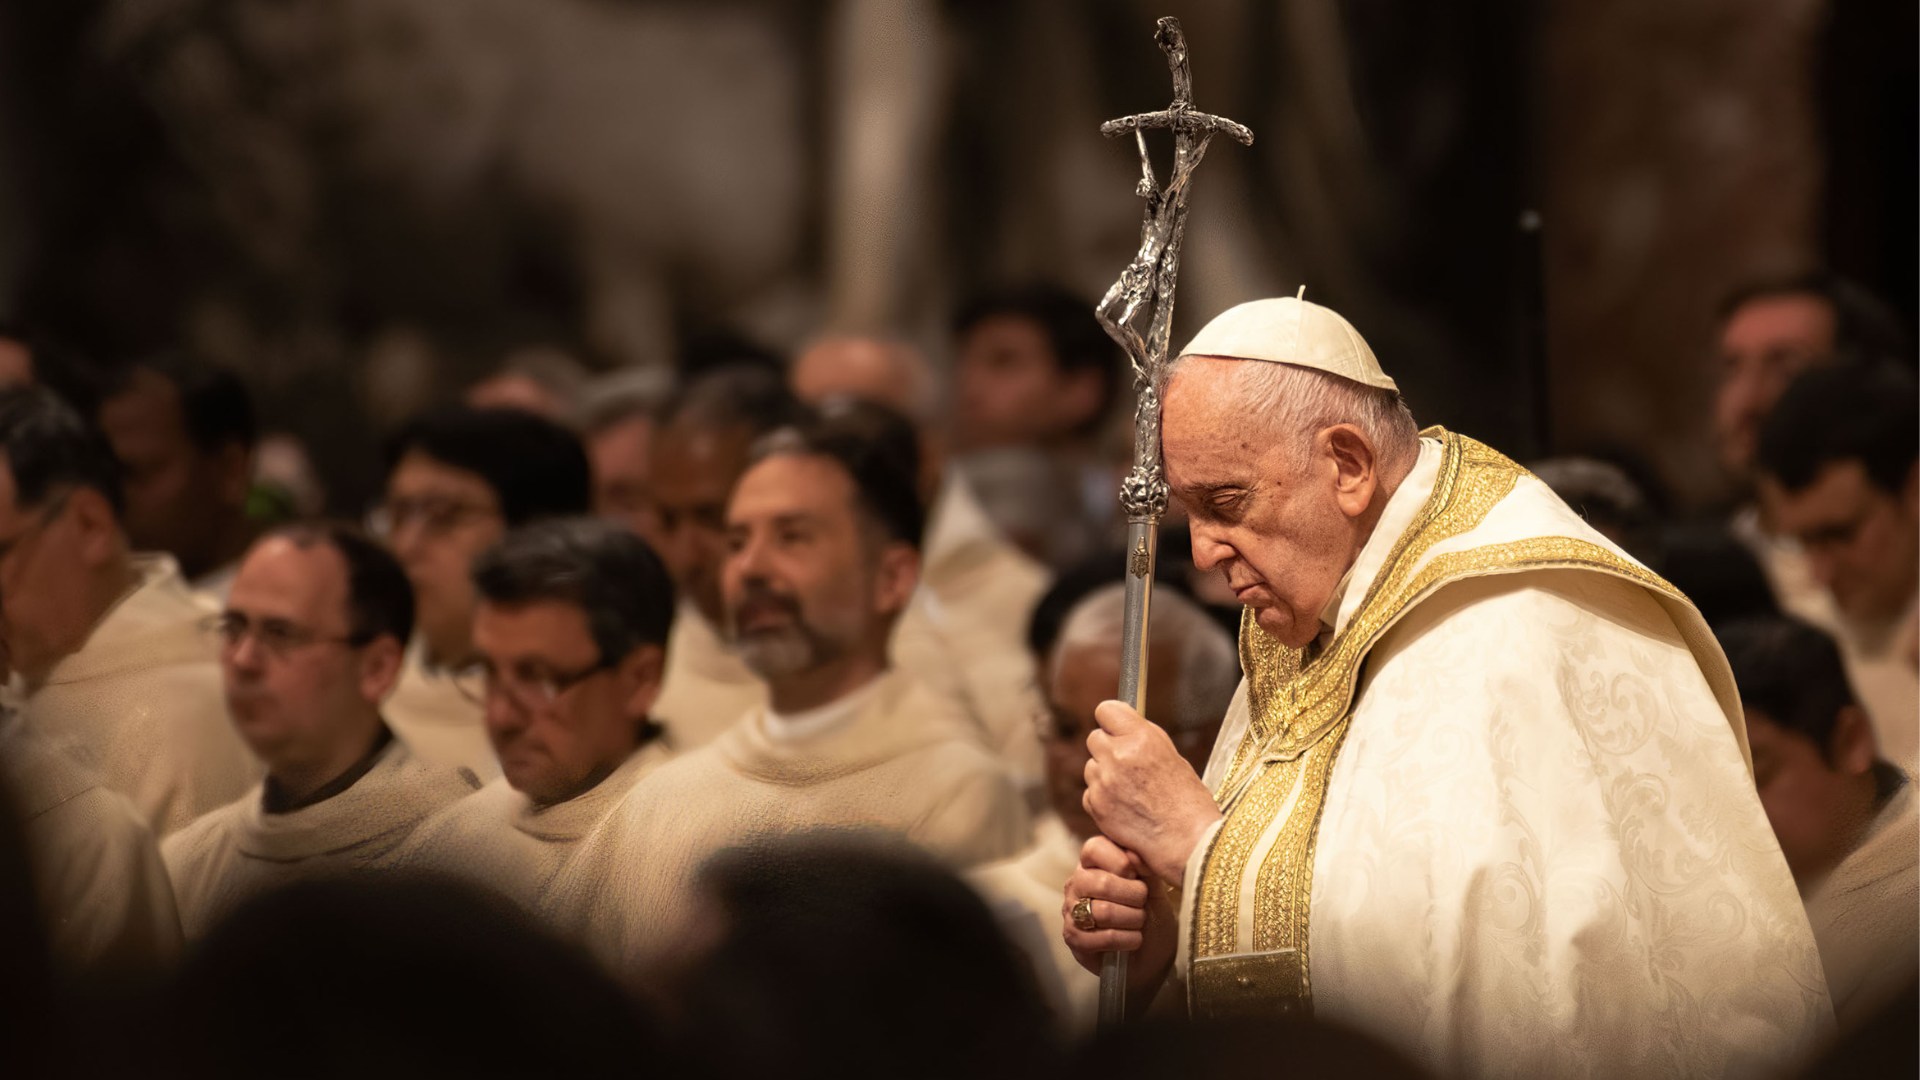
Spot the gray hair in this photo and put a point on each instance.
(1301, 402)
(1209, 669)
(617, 397)
(610, 574)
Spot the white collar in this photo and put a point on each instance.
(819, 720)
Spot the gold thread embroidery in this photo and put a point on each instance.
(1217, 924)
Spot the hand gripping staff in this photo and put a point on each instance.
(1145, 289)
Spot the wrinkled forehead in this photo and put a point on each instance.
(1209, 430)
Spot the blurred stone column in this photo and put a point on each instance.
(886, 74)
(1679, 157)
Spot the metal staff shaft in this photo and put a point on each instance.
(1148, 283)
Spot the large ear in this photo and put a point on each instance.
(643, 670)
(95, 527)
(1346, 452)
(897, 575)
(1851, 748)
(380, 663)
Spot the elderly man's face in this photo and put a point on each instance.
(1082, 676)
(1279, 528)
(804, 584)
(561, 716)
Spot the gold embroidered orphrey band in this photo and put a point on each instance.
(1277, 782)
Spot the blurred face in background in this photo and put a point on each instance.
(1011, 390)
(180, 498)
(1817, 807)
(807, 582)
(561, 716)
(438, 519)
(303, 693)
(50, 555)
(622, 479)
(1762, 346)
(1081, 676)
(694, 471)
(1862, 542)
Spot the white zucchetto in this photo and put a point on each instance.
(1289, 330)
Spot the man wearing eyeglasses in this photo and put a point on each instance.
(823, 533)
(108, 646)
(311, 642)
(457, 479)
(571, 632)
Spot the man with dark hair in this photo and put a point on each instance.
(571, 632)
(311, 642)
(824, 532)
(1034, 368)
(1773, 329)
(1839, 477)
(1770, 331)
(701, 445)
(1844, 816)
(965, 637)
(110, 645)
(457, 479)
(184, 432)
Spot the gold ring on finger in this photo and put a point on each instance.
(1083, 914)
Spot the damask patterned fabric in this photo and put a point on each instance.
(1527, 844)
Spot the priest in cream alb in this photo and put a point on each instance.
(1484, 791)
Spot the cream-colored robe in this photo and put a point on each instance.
(1539, 850)
(966, 633)
(905, 763)
(240, 851)
(1024, 894)
(497, 838)
(440, 723)
(1866, 914)
(96, 868)
(141, 703)
(706, 688)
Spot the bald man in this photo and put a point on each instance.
(965, 634)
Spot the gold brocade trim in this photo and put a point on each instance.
(1217, 922)
(1299, 711)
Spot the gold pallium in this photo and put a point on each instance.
(1299, 713)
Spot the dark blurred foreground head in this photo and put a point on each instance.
(848, 955)
(1302, 1048)
(398, 978)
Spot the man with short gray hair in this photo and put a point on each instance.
(1485, 791)
(571, 629)
(1191, 674)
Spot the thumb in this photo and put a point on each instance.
(1117, 717)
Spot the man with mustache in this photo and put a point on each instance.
(823, 533)
(1484, 792)
(311, 643)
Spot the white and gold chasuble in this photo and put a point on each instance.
(1504, 819)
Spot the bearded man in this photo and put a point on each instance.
(1484, 791)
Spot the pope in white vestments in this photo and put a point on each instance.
(1493, 805)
